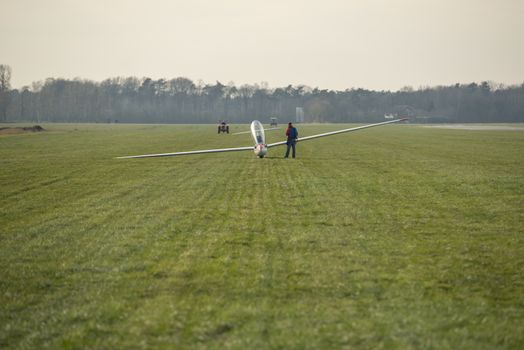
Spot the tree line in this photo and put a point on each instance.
(181, 100)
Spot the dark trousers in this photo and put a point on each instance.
(289, 145)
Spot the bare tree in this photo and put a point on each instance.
(5, 77)
(5, 86)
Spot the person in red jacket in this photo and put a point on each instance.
(292, 135)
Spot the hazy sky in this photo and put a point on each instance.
(330, 44)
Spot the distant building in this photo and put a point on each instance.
(299, 115)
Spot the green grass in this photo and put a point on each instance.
(394, 237)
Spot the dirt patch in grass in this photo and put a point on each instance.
(20, 130)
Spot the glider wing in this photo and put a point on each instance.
(219, 150)
(336, 132)
(247, 132)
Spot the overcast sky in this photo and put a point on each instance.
(330, 44)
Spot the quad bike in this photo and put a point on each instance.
(223, 127)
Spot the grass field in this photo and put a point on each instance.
(394, 237)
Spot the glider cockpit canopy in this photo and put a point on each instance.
(257, 130)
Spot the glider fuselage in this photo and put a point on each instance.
(257, 131)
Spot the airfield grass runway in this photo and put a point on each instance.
(392, 237)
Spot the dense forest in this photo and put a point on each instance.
(181, 100)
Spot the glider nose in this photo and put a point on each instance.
(260, 150)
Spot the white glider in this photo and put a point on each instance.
(261, 148)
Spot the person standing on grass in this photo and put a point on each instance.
(292, 135)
